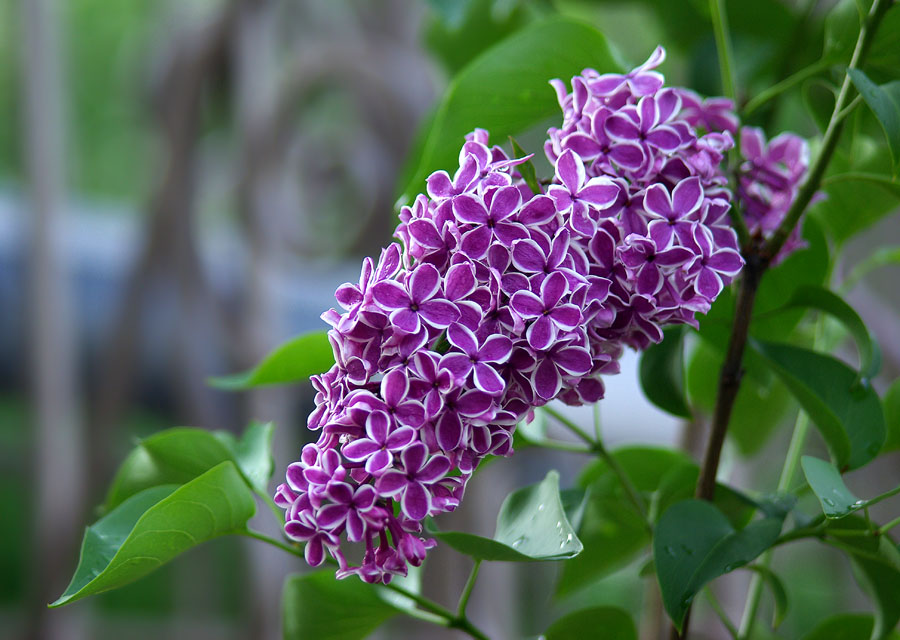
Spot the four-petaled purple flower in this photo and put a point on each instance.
(477, 359)
(411, 485)
(579, 196)
(382, 440)
(417, 301)
(710, 264)
(550, 317)
(352, 508)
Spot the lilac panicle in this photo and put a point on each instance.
(497, 300)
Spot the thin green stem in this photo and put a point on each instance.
(868, 518)
(888, 183)
(564, 446)
(570, 425)
(279, 513)
(856, 551)
(763, 97)
(888, 526)
(720, 612)
(788, 472)
(451, 620)
(445, 617)
(422, 601)
(598, 432)
(467, 590)
(250, 533)
(723, 47)
(597, 447)
(633, 494)
(852, 533)
(846, 111)
(739, 224)
(832, 135)
(883, 496)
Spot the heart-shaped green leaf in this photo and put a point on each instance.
(252, 453)
(876, 563)
(859, 180)
(821, 299)
(884, 100)
(316, 605)
(694, 543)
(516, 71)
(532, 525)
(779, 592)
(846, 626)
(847, 412)
(157, 524)
(612, 531)
(662, 373)
(294, 361)
(178, 455)
(826, 482)
(892, 416)
(616, 624)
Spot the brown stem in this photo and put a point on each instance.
(730, 376)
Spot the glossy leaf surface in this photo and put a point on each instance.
(294, 361)
(532, 525)
(157, 524)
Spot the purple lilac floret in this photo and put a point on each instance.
(498, 300)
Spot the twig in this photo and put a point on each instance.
(596, 446)
(730, 377)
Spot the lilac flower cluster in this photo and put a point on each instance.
(502, 299)
(769, 181)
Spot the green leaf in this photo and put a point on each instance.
(505, 90)
(662, 373)
(880, 578)
(170, 457)
(585, 623)
(892, 416)
(884, 101)
(759, 409)
(841, 30)
(847, 413)
(694, 543)
(848, 184)
(155, 525)
(532, 525)
(776, 586)
(252, 453)
(612, 531)
(294, 361)
(806, 267)
(645, 465)
(846, 626)
(178, 455)
(821, 299)
(526, 169)
(411, 582)
(680, 483)
(462, 29)
(826, 482)
(316, 605)
(574, 503)
(613, 535)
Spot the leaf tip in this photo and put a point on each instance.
(232, 382)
